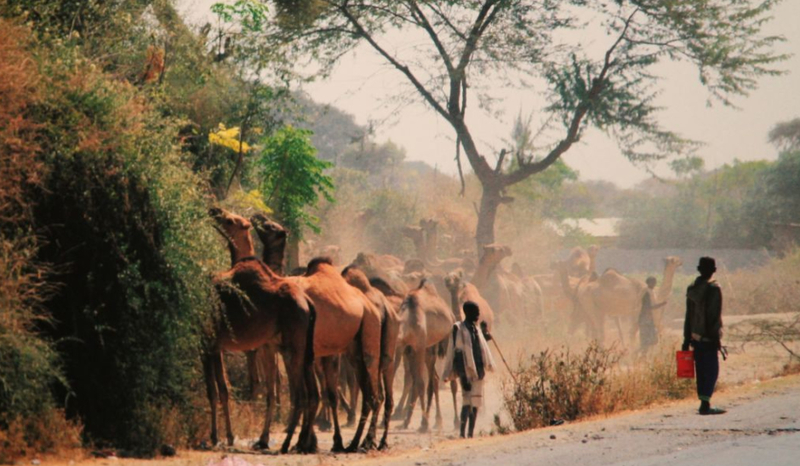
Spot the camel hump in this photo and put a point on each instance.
(314, 263)
(384, 287)
(356, 278)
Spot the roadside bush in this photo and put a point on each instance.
(562, 385)
(559, 385)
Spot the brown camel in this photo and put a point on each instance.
(617, 296)
(579, 265)
(461, 292)
(425, 322)
(347, 323)
(261, 310)
(506, 292)
(390, 325)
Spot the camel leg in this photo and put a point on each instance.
(348, 371)
(388, 389)
(417, 357)
(276, 387)
(211, 391)
(222, 388)
(368, 369)
(308, 439)
(330, 368)
(323, 416)
(303, 388)
(252, 373)
(433, 389)
(454, 391)
(298, 393)
(267, 356)
(408, 383)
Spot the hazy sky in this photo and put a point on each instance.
(361, 81)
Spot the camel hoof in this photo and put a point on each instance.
(338, 446)
(352, 449)
(423, 429)
(384, 446)
(368, 444)
(438, 425)
(261, 445)
(308, 449)
(230, 441)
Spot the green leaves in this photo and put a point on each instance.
(292, 178)
(250, 14)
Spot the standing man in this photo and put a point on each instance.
(648, 336)
(702, 329)
(469, 358)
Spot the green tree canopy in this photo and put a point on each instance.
(292, 178)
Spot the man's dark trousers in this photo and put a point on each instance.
(706, 365)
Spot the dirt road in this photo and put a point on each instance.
(761, 427)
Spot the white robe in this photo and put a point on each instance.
(463, 342)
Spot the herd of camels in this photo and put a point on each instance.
(361, 322)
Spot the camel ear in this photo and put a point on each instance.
(214, 212)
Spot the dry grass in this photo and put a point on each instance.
(573, 385)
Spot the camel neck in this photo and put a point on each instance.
(245, 259)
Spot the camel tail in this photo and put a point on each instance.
(312, 323)
(384, 338)
(441, 348)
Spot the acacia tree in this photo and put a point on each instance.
(464, 51)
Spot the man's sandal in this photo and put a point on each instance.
(710, 411)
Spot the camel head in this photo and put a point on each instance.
(592, 250)
(235, 229)
(273, 237)
(267, 230)
(454, 280)
(364, 260)
(578, 262)
(673, 262)
(494, 253)
(429, 225)
(414, 265)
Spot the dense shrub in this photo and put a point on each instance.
(123, 226)
(28, 364)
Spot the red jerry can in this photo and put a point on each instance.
(685, 361)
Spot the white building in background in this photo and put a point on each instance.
(605, 231)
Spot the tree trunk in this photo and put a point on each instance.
(293, 254)
(490, 200)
